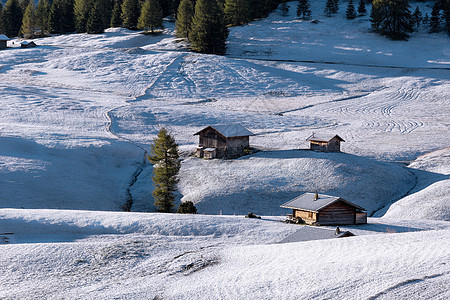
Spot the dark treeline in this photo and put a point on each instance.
(203, 23)
(24, 18)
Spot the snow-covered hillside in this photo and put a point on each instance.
(79, 111)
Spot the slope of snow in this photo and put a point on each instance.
(261, 182)
(66, 254)
(433, 201)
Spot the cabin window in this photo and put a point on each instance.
(310, 215)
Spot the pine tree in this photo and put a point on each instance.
(116, 17)
(426, 20)
(82, 8)
(350, 12)
(166, 162)
(284, 8)
(303, 10)
(2, 31)
(329, 8)
(237, 12)
(209, 32)
(29, 21)
(42, 14)
(187, 207)
(362, 8)
(417, 17)
(335, 6)
(184, 18)
(447, 16)
(391, 17)
(94, 23)
(67, 15)
(435, 22)
(130, 14)
(106, 8)
(12, 18)
(151, 16)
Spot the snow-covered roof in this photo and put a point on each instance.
(4, 37)
(209, 149)
(324, 138)
(308, 201)
(230, 130)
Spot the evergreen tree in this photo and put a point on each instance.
(116, 17)
(82, 9)
(184, 18)
(362, 8)
(2, 31)
(165, 157)
(151, 16)
(391, 17)
(330, 8)
(303, 10)
(67, 15)
(417, 17)
(106, 8)
(447, 16)
(29, 21)
(335, 6)
(61, 17)
(426, 20)
(12, 18)
(42, 13)
(284, 8)
(435, 22)
(237, 12)
(350, 12)
(187, 207)
(130, 14)
(94, 23)
(54, 18)
(209, 32)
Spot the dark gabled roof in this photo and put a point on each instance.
(230, 130)
(307, 201)
(323, 138)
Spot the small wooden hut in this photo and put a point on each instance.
(325, 143)
(320, 209)
(26, 44)
(3, 41)
(223, 141)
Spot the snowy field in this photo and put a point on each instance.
(79, 111)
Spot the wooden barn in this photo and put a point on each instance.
(324, 143)
(3, 40)
(26, 44)
(319, 209)
(223, 141)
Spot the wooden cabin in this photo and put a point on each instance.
(3, 41)
(223, 141)
(320, 209)
(26, 44)
(325, 143)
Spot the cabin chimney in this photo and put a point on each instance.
(316, 196)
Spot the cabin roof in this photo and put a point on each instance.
(307, 201)
(230, 130)
(4, 37)
(26, 43)
(323, 138)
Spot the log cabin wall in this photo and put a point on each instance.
(308, 217)
(334, 145)
(210, 138)
(338, 213)
(320, 146)
(236, 145)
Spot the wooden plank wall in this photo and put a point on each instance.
(339, 213)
